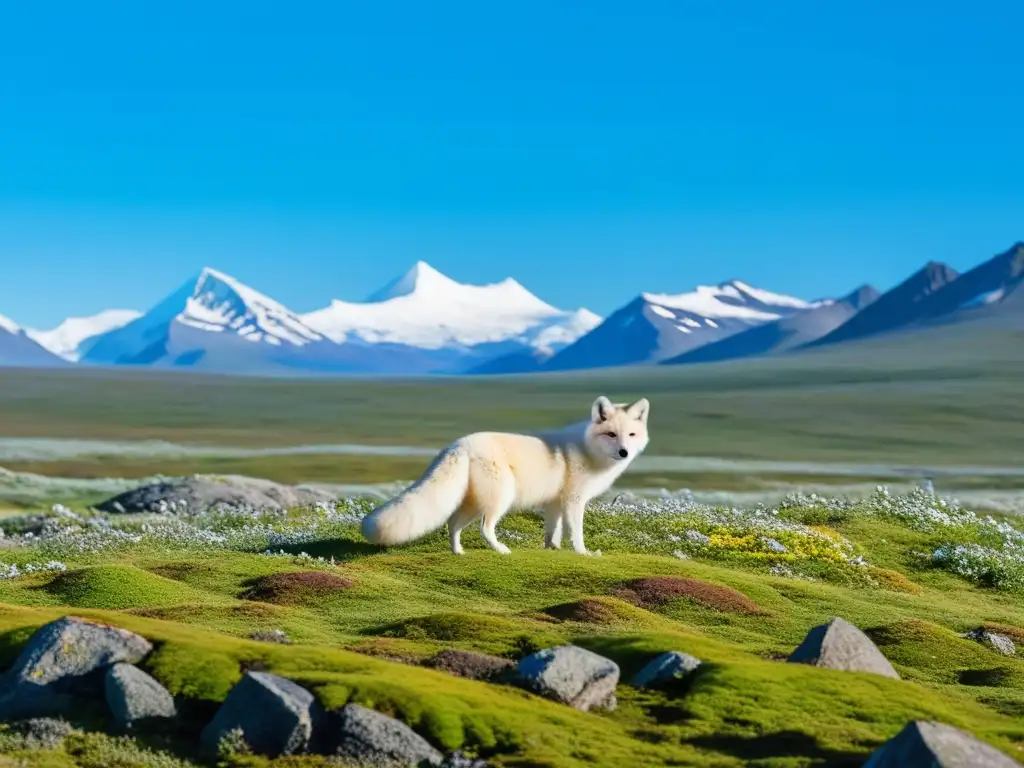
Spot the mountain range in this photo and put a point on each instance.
(423, 322)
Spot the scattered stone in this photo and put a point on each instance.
(202, 492)
(924, 744)
(271, 636)
(459, 760)
(275, 715)
(840, 645)
(699, 538)
(366, 736)
(571, 675)
(774, 545)
(42, 732)
(997, 642)
(63, 660)
(666, 668)
(133, 696)
(469, 664)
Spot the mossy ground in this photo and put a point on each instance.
(365, 626)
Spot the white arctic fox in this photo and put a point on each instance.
(488, 473)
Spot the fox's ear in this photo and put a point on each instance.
(601, 410)
(639, 410)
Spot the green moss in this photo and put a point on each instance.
(744, 707)
(492, 634)
(120, 586)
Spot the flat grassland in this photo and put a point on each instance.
(931, 398)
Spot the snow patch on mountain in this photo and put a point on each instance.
(68, 338)
(8, 325)
(426, 309)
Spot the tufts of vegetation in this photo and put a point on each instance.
(422, 635)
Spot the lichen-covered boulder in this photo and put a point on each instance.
(572, 675)
(135, 697)
(371, 738)
(840, 645)
(924, 744)
(996, 641)
(62, 661)
(275, 716)
(665, 669)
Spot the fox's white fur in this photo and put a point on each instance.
(486, 474)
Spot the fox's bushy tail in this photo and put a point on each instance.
(425, 505)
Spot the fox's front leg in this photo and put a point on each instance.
(553, 526)
(573, 516)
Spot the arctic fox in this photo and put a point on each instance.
(485, 474)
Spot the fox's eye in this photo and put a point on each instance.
(632, 434)
(610, 434)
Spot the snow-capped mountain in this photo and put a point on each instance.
(214, 322)
(427, 310)
(657, 326)
(18, 349)
(423, 322)
(786, 333)
(73, 336)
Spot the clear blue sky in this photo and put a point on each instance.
(591, 149)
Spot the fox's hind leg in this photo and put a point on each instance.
(463, 516)
(553, 526)
(494, 505)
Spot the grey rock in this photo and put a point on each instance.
(275, 716)
(459, 760)
(774, 545)
(202, 492)
(133, 696)
(924, 744)
(370, 738)
(664, 669)
(994, 640)
(271, 636)
(63, 660)
(840, 645)
(42, 732)
(572, 675)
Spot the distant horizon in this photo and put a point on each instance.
(590, 154)
(625, 299)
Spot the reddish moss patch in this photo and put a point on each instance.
(656, 591)
(589, 610)
(176, 571)
(294, 587)
(468, 664)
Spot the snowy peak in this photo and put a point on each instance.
(421, 278)
(429, 286)
(219, 303)
(69, 338)
(426, 309)
(17, 348)
(8, 325)
(730, 300)
(659, 326)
